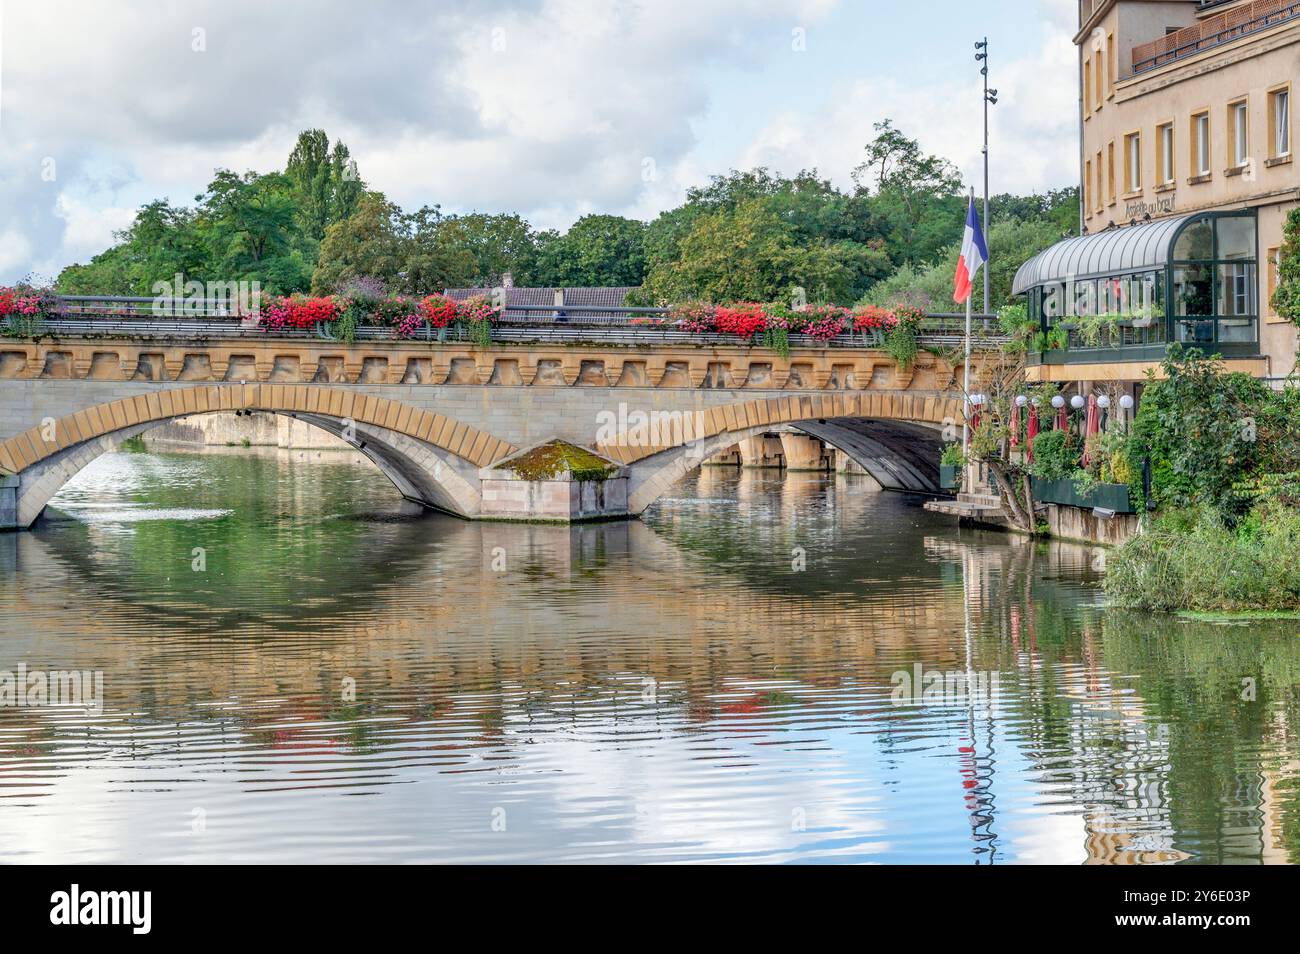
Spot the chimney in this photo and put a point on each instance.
(507, 280)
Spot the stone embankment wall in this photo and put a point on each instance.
(256, 429)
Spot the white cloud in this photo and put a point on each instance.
(551, 108)
(89, 227)
(15, 251)
(1032, 130)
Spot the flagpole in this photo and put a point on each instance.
(965, 386)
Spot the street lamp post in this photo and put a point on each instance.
(990, 98)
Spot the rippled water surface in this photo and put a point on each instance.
(296, 667)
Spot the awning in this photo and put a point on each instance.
(1133, 248)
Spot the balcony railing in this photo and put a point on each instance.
(1212, 31)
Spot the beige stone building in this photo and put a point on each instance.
(1187, 131)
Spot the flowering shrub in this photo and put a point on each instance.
(697, 317)
(781, 316)
(340, 315)
(478, 314)
(822, 322)
(438, 310)
(874, 318)
(24, 308)
(298, 311)
(391, 310)
(745, 319)
(477, 308)
(907, 315)
(901, 340)
(410, 325)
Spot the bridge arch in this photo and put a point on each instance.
(896, 437)
(429, 457)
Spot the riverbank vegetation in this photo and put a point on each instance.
(748, 236)
(1224, 452)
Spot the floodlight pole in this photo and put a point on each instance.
(984, 71)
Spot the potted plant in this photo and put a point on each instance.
(951, 462)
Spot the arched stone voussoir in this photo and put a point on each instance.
(476, 446)
(430, 458)
(631, 445)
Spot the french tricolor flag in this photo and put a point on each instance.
(974, 254)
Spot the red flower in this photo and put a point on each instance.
(438, 310)
(874, 318)
(297, 311)
(822, 322)
(745, 319)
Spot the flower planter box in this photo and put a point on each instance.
(1111, 496)
(949, 477)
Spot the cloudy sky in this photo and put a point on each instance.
(549, 108)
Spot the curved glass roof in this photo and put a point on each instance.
(1112, 252)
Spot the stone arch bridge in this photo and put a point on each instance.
(436, 417)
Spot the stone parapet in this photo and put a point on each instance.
(298, 361)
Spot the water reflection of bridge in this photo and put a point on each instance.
(727, 655)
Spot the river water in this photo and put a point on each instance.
(295, 667)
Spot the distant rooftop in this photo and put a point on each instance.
(611, 297)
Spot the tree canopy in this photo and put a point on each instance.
(749, 234)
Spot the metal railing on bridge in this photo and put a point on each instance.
(151, 317)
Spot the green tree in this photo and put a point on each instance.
(163, 241)
(928, 288)
(497, 244)
(250, 225)
(751, 253)
(916, 198)
(1286, 297)
(324, 180)
(597, 250)
(432, 258)
(369, 243)
(1060, 207)
(1198, 425)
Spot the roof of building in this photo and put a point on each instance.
(1133, 248)
(608, 297)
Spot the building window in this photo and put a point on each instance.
(1087, 87)
(1215, 281)
(1110, 171)
(1114, 64)
(1133, 162)
(1273, 264)
(1101, 192)
(1237, 289)
(1279, 120)
(1201, 144)
(1087, 182)
(1099, 78)
(1238, 134)
(1165, 152)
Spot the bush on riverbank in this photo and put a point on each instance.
(1207, 430)
(1225, 472)
(1192, 560)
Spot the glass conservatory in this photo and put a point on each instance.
(1125, 293)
